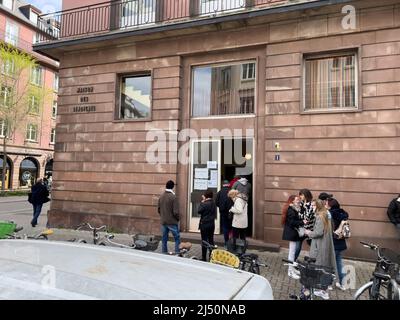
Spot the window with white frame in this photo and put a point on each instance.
(8, 3)
(248, 71)
(35, 38)
(54, 109)
(32, 132)
(331, 82)
(3, 128)
(220, 90)
(216, 6)
(53, 136)
(5, 96)
(11, 33)
(8, 67)
(55, 83)
(33, 105)
(36, 75)
(33, 16)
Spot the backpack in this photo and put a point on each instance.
(393, 211)
(343, 231)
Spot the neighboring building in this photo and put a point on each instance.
(29, 151)
(317, 90)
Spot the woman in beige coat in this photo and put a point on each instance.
(239, 210)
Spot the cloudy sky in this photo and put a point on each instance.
(46, 6)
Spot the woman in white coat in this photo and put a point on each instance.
(239, 211)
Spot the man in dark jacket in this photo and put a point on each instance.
(393, 211)
(207, 212)
(39, 196)
(168, 210)
(224, 203)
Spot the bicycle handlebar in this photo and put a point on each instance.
(87, 224)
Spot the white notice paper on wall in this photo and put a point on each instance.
(213, 182)
(201, 173)
(212, 164)
(200, 184)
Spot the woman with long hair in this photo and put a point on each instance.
(322, 248)
(307, 214)
(290, 222)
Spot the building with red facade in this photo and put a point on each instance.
(290, 94)
(30, 150)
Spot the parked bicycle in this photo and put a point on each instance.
(96, 238)
(246, 261)
(312, 277)
(385, 281)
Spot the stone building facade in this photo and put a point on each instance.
(321, 108)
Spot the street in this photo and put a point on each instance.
(19, 210)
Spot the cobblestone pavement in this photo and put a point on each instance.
(275, 273)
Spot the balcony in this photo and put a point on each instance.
(121, 15)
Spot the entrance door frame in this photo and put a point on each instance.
(194, 222)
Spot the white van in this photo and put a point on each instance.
(38, 269)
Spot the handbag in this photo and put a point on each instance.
(301, 232)
(30, 197)
(343, 231)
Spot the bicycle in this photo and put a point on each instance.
(385, 281)
(43, 235)
(247, 261)
(95, 233)
(312, 277)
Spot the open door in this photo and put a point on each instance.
(205, 174)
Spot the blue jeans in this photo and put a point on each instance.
(339, 265)
(165, 229)
(37, 208)
(298, 249)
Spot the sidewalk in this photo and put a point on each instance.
(13, 199)
(275, 273)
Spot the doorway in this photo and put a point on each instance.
(212, 162)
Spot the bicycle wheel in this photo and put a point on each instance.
(393, 290)
(373, 290)
(363, 293)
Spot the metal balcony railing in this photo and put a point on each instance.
(123, 14)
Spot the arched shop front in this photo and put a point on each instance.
(28, 172)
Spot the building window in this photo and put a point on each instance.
(36, 38)
(137, 12)
(28, 172)
(331, 83)
(5, 96)
(135, 98)
(53, 136)
(219, 90)
(8, 3)
(11, 33)
(32, 132)
(33, 17)
(3, 129)
(8, 67)
(248, 71)
(54, 110)
(214, 6)
(36, 75)
(55, 83)
(33, 105)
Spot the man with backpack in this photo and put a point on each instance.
(393, 211)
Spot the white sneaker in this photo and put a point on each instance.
(341, 287)
(330, 288)
(293, 275)
(321, 293)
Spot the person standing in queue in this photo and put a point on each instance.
(224, 203)
(207, 212)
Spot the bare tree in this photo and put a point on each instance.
(21, 96)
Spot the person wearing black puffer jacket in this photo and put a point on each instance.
(291, 221)
(337, 216)
(208, 212)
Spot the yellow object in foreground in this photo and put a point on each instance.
(225, 258)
